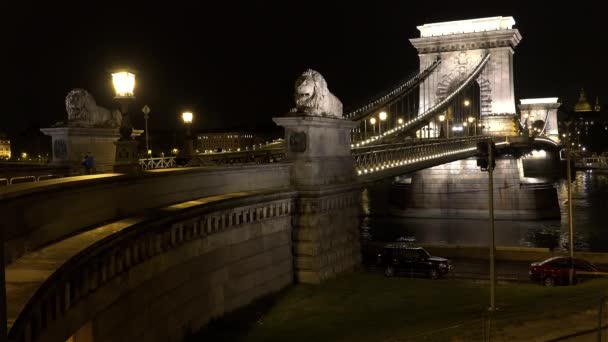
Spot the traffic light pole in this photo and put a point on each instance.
(491, 209)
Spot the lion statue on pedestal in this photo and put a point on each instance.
(313, 97)
(84, 112)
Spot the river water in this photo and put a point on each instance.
(590, 208)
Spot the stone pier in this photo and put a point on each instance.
(326, 221)
(460, 190)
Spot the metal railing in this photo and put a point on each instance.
(374, 159)
(157, 163)
(28, 179)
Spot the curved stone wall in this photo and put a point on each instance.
(36, 214)
(161, 278)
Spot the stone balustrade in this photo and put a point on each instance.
(63, 302)
(35, 214)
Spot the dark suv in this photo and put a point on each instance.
(401, 258)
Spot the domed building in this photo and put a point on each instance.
(588, 128)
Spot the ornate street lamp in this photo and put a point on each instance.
(124, 85)
(187, 118)
(382, 117)
(373, 122)
(127, 160)
(441, 131)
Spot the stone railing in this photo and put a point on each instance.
(377, 159)
(157, 163)
(117, 254)
(30, 211)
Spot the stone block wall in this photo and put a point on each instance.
(326, 235)
(460, 190)
(166, 277)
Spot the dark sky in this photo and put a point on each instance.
(234, 62)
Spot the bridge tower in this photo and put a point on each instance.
(461, 45)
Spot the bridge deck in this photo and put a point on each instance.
(28, 273)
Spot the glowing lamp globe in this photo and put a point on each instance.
(187, 117)
(442, 118)
(382, 116)
(400, 121)
(467, 103)
(372, 121)
(124, 83)
(471, 119)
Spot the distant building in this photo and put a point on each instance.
(5, 147)
(226, 141)
(586, 125)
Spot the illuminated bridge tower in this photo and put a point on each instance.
(461, 45)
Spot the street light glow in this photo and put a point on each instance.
(442, 118)
(187, 117)
(471, 119)
(400, 121)
(467, 103)
(372, 121)
(382, 116)
(124, 83)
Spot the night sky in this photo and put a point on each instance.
(233, 63)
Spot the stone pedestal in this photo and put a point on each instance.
(326, 223)
(70, 144)
(127, 160)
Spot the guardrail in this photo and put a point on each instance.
(30, 179)
(157, 163)
(371, 159)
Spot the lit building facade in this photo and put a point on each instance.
(588, 128)
(225, 141)
(5, 148)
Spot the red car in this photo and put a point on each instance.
(557, 270)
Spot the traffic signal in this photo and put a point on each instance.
(483, 158)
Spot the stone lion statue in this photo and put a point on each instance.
(313, 97)
(84, 112)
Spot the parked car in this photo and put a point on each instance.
(402, 258)
(556, 270)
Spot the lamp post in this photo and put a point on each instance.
(471, 121)
(441, 131)
(146, 111)
(382, 117)
(570, 220)
(187, 119)
(126, 147)
(465, 128)
(373, 122)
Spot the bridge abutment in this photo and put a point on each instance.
(326, 222)
(460, 190)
